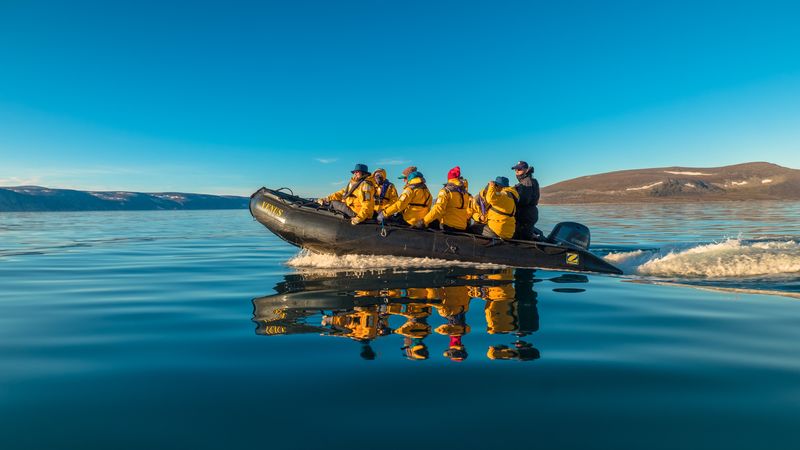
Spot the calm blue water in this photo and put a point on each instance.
(188, 329)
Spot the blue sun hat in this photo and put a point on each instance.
(501, 181)
(360, 168)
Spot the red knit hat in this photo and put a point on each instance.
(455, 172)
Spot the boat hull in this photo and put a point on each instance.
(306, 225)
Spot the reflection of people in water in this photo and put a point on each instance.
(522, 351)
(453, 307)
(416, 327)
(510, 309)
(362, 324)
(500, 308)
(415, 348)
(456, 350)
(414, 330)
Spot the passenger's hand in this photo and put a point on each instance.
(355, 221)
(483, 219)
(380, 217)
(321, 201)
(419, 224)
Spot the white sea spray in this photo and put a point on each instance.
(310, 260)
(726, 259)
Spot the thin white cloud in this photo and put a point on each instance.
(326, 160)
(338, 183)
(392, 162)
(19, 181)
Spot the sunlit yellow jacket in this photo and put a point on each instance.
(452, 206)
(414, 202)
(453, 329)
(361, 324)
(502, 206)
(414, 328)
(454, 300)
(383, 199)
(501, 292)
(359, 195)
(501, 316)
(501, 352)
(409, 310)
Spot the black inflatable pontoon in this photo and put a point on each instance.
(306, 224)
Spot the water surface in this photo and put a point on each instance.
(189, 329)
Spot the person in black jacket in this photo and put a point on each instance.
(527, 212)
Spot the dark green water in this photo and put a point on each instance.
(188, 330)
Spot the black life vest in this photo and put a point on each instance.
(353, 187)
(513, 212)
(428, 198)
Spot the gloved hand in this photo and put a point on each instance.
(380, 217)
(355, 221)
(321, 201)
(419, 224)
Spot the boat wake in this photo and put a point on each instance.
(732, 258)
(307, 260)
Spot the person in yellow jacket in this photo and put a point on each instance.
(361, 324)
(496, 206)
(413, 203)
(356, 200)
(385, 193)
(452, 207)
(453, 308)
(415, 330)
(522, 351)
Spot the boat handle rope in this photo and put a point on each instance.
(450, 247)
(283, 200)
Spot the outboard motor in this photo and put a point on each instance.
(571, 234)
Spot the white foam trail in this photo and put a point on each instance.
(727, 259)
(309, 260)
(629, 261)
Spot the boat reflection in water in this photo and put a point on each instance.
(361, 305)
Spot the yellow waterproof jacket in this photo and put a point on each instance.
(359, 195)
(452, 206)
(501, 292)
(414, 202)
(501, 316)
(361, 324)
(385, 193)
(410, 310)
(414, 328)
(454, 300)
(475, 208)
(502, 208)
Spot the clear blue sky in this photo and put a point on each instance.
(227, 96)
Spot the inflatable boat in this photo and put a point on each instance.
(306, 224)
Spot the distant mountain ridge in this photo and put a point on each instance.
(37, 198)
(749, 181)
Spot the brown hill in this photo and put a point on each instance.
(750, 181)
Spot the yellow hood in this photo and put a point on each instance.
(380, 172)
